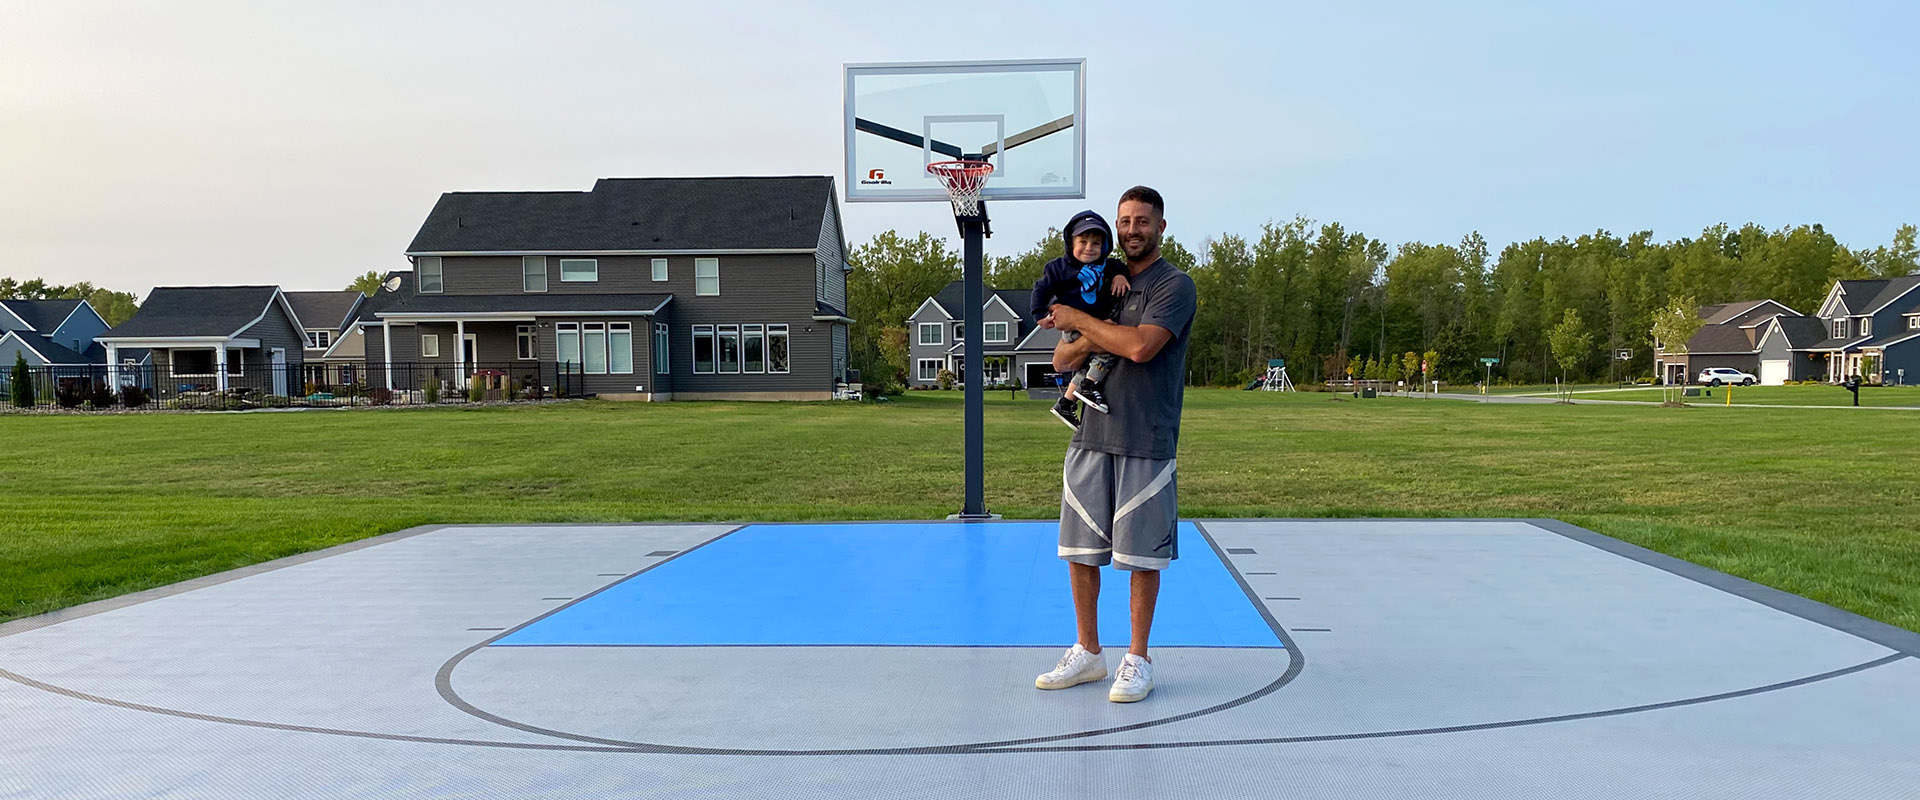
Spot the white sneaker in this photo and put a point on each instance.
(1076, 667)
(1134, 680)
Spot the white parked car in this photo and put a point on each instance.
(1715, 376)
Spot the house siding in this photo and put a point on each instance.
(929, 313)
(11, 349)
(830, 275)
(276, 329)
(77, 332)
(1903, 355)
(1800, 366)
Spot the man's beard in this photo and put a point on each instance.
(1137, 250)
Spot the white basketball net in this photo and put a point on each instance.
(964, 180)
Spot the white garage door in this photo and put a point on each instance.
(1773, 373)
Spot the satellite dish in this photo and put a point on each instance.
(392, 284)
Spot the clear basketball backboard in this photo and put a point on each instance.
(1026, 118)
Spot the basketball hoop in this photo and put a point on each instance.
(964, 180)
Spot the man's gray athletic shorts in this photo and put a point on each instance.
(1119, 510)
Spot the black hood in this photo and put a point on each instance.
(1066, 234)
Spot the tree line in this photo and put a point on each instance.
(114, 307)
(1330, 300)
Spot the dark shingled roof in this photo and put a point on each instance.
(43, 315)
(196, 311)
(1891, 289)
(322, 309)
(823, 309)
(1857, 296)
(1726, 312)
(54, 352)
(1727, 338)
(1803, 332)
(633, 214)
(953, 298)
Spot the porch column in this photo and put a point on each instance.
(220, 366)
(386, 339)
(460, 352)
(113, 366)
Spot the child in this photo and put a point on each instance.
(1085, 279)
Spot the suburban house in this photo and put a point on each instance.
(1013, 347)
(1736, 335)
(646, 288)
(52, 333)
(1877, 320)
(328, 316)
(214, 338)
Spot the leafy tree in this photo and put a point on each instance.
(892, 275)
(113, 307)
(1572, 343)
(366, 284)
(1676, 323)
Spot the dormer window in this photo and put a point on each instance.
(1839, 329)
(1866, 326)
(1913, 323)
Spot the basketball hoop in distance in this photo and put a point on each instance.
(964, 180)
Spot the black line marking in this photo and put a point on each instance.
(486, 629)
(1240, 551)
(1283, 598)
(664, 553)
(556, 598)
(611, 575)
(1312, 630)
(1263, 573)
(1296, 661)
(1485, 726)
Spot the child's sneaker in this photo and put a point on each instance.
(1134, 680)
(1067, 412)
(1094, 398)
(1076, 667)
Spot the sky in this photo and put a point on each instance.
(187, 142)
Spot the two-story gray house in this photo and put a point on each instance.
(50, 333)
(1877, 319)
(1014, 347)
(645, 288)
(1734, 335)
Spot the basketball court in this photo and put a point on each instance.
(1305, 658)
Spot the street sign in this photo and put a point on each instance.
(1489, 361)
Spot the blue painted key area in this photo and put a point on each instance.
(903, 584)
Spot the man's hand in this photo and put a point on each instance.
(1120, 285)
(1068, 318)
(1045, 322)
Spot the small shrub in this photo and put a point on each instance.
(946, 379)
(69, 396)
(133, 397)
(102, 396)
(476, 391)
(312, 388)
(381, 396)
(431, 393)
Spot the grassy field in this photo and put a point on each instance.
(1813, 502)
(1524, 388)
(1885, 396)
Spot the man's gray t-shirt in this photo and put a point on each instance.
(1143, 420)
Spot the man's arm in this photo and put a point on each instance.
(1070, 356)
(1138, 344)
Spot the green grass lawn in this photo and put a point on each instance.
(1524, 388)
(1905, 396)
(1810, 501)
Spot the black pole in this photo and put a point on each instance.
(972, 234)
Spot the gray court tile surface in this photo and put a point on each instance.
(1461, 658)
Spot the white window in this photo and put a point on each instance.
(204, 363)
(566, 342)
(703, 349)
(319, 339)
(593, 347)
(430, 345)
(753, 342)
(620, 348)
(929, 370)
(430, 278)
(1839, 329)
(930, 333)
(660, 362)
(706, 277)
(579, 270)
(959, 332)
(1913, 323)
(777, 348)
(659, 269)
(533, 273)
(729, 349)
(993, 332)
(523, 342)
(1866, 326)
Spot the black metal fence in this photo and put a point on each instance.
(98, 387)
